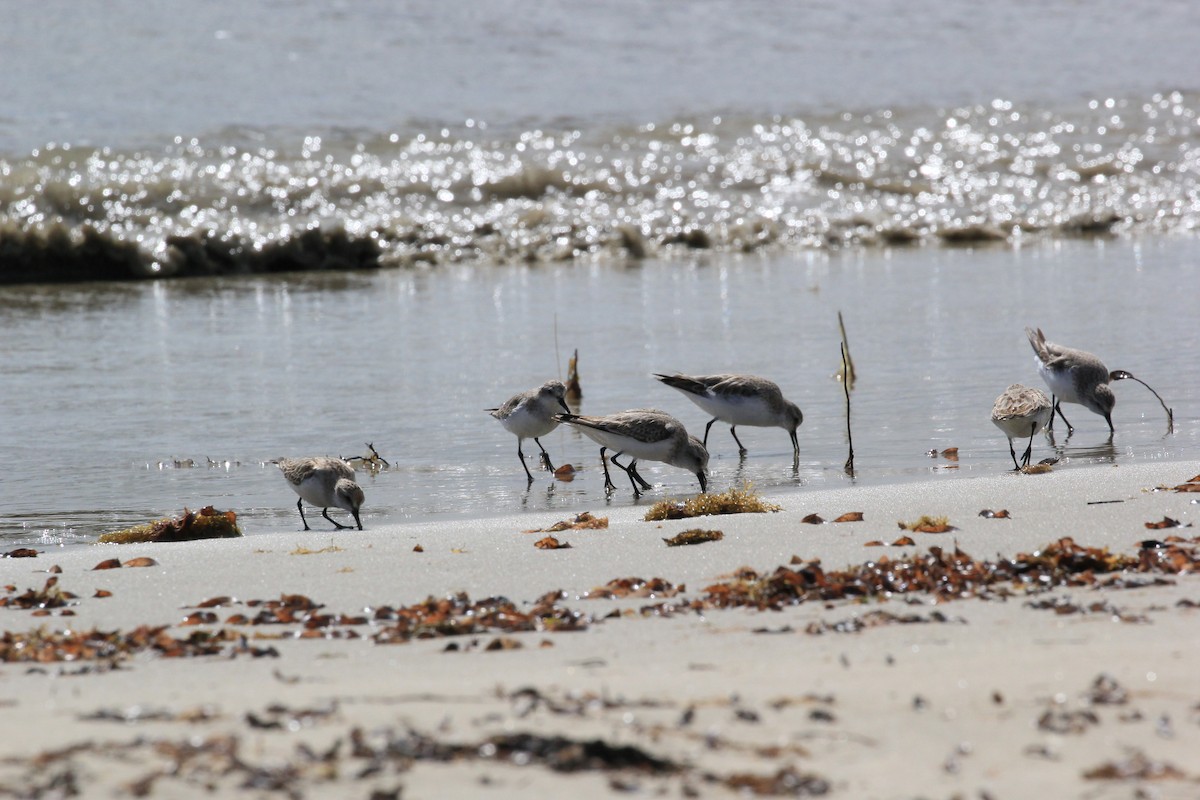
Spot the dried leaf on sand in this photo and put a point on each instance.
(928, 524)
(1191, 485)
(550, 543)
(1167, 522)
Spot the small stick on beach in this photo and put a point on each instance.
(1120, 375)
(849, 468)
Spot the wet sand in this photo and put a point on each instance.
(1072, 692)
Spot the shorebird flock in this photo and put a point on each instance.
(648, 434)
(1074, 376)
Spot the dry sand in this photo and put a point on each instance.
(974, 698)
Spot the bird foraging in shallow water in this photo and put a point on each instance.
(739, 400)
(530, 415)
(1020, 411)
(1074, 376)
(323, 482)
(647, 434)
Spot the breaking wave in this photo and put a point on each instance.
(997, 172)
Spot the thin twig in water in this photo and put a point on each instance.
(847, 375)
(849, 468)
(557, 357)
(1120, 375)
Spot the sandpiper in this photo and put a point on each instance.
(739, 400)
(323, 482)
(1074, 376)
(1021, 411)
(531, 414)
(643, 433)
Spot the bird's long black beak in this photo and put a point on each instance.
(564, 405)
(703, 482)
(356, 519)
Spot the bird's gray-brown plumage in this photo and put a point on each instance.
(1020, 411)
(323, 482)
(530, 415)
(1074, 376)
(643, 433)
(739, 400)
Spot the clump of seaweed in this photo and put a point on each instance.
(585, 521)
(207, 523)
(694, 536)
(45, 647)
(733, 501)
(458, 615)
(946, 575)
(634, 587)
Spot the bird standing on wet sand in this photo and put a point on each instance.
(645, 433)
(529, 415)
(739, 400)
(1074, 376)
(323, 482)
(1018, 411)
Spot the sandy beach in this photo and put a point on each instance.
(1079, 691)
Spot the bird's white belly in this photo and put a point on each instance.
(527, 425)
(1023, 427)
(635, 448)
(738, 410)
(1061, 383)
(315, 492)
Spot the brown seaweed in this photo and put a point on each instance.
(694, 536)
(946, 575)
(733, 501)
(207, 523)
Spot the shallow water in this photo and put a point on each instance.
(696, 187)
(106, 386)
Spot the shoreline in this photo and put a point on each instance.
(924, 699)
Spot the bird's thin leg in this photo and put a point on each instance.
(336, 524)
(795, 446)
(1029, 450)
(628, 471)
(1013, 453)
(521, 456)
(1058, 410)
(706, 427)
(741, 448)
(608, 484)
(300, 506)
(545, 456)
(633, 471)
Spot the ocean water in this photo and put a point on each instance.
(399, 214)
